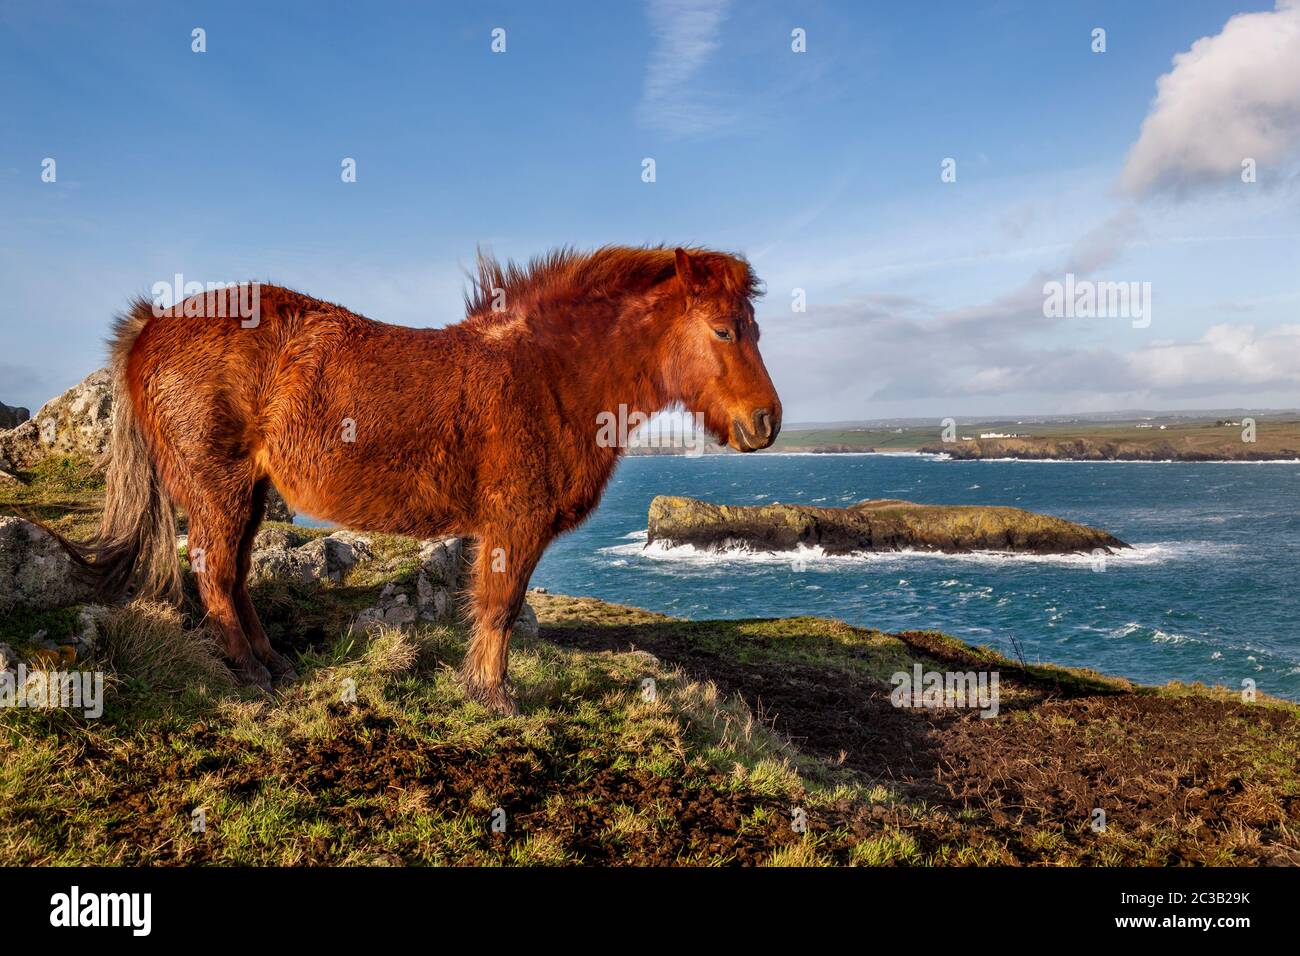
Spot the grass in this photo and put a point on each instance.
(376, 756)
(644, 740)
(64, 491)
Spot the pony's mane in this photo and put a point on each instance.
(608, 270)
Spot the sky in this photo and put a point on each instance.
(826, 168)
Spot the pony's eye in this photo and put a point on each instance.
(724, 334)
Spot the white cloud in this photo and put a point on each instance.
(686, 34)
(1231, 96)
(903, 359)
(1240, 357)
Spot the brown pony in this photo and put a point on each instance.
(487, 428)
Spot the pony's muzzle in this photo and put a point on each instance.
(760, 433)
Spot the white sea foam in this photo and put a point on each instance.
(1156, 635)
(1121, 461)
(815, 558)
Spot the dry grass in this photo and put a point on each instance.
(149, 643)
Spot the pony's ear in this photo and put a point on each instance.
(690, 272)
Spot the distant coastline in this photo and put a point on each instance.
(1175, 438)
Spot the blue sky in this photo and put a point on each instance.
(924, 297)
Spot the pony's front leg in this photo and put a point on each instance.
(502, 566)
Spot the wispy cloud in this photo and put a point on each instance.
(685, 36)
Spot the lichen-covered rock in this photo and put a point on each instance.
(434, 603)
(392, 609)
(881, 525)
(443, 561)
(89, 629)
(435, 596)
(78, 422)
(322, 559)
(283, 538)
(35, 572)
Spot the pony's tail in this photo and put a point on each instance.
(134, 551)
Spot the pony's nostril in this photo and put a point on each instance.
(763, 423)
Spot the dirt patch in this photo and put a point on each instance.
(1148, 762)
(1201, 770)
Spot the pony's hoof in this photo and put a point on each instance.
(252, 673)
(282, 672)
(495, 697)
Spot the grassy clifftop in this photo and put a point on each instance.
(644, 739)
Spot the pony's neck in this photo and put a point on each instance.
(618, 359)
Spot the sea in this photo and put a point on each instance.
(1207, 593)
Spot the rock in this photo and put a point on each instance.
(277, 509)
(443, 561)
(282, 538)
(11, 416)
(35, 572)
(328, 558)
(400, 614)
(9, 659)
(322, 559)
(526, 622)
(393, 609)
(437, 593)
(437, 604)
(359, 543)
(77, 422)
(881, 525)
(89, 630)
(432, 604)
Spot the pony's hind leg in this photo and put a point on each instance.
(279, 666)
(502, 566)
(217, 525)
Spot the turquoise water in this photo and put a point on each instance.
(1208, 593)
